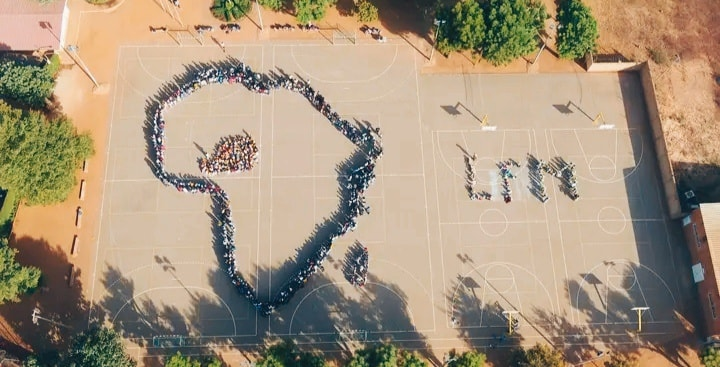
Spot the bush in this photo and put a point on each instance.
(230, 10)
(274, 5)
(577, 32)
(52, 66)
(30, 85)
(366, 11)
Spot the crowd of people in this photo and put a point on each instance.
(232, 154)
(537, 169)
(360, 175)
(356, 265)
(230, 27)
(471, 180)
(374, 33)
(506, 175)
(289, 27)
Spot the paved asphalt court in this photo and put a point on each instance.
(442, 267)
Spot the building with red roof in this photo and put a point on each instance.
(29, 25)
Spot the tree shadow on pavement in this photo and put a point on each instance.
(482, 325)
(604, 322)
(57, 301)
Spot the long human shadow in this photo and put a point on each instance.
(56, 299)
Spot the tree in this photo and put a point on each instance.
(307, 11)
(540, 355)
(469, 359)
(358, 360)
(98, 347)
(512, 27)
(577, 32)
(618, 360)
(464, 27)
(366, 11)
(711, 357)
(384, 355)
(230, 10)
(38, 158)
(274, 5)
(178, 360)
(31, 85)
(15, 279)
(286, 354)
(408, 359)
(31, 361)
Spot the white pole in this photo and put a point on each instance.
(438, 23)
(262, 28)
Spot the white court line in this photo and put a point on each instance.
(562, 243)
(427, 214)
(356, 81)
(102, 200)
(497, 222)
(187, 287)
(608, 220)
(440, 230)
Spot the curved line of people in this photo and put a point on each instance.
(352, 205)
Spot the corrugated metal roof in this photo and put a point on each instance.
(711, 220)
(21, 24)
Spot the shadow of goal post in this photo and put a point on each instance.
(340, 33)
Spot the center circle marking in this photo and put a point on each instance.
(602, 168)
(612, 220)
(492, 224)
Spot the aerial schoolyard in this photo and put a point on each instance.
(443, 268)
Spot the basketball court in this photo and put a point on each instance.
(443, 268)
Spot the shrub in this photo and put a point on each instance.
(230, 10)
(366, 11)
(577, 33)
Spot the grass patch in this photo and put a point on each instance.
(7, 213)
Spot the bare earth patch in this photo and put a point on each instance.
(680, 39)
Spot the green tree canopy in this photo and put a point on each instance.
(98, 347)
(27, 84)
(38, 158)
(408, 359)
(461, 28)
(512, 27)
(540, 355)
(307, 11)
(577, 32)
(286, 354)
(15, 279)
(469, 358)
(274, 5)
(711, 357)
(178, 360)
(366, 11)
(230, 10)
